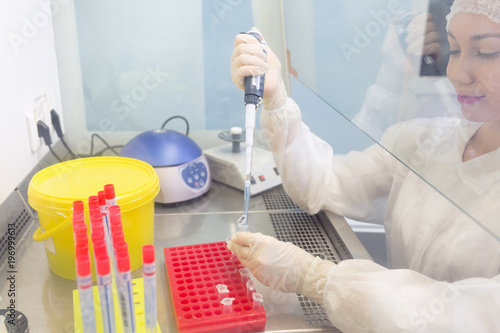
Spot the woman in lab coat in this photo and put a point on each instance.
(444, 274)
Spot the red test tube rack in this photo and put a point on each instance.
(194, 271)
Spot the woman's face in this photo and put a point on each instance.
(474, 65)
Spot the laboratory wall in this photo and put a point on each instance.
(29, 86)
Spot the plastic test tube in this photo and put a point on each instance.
(78, 217)
(125, 292)
(84, 281)
(99, 248)
(77, 206)
(245, 274)
(227, 304)
(257, 300)
(105, 293)
(93, 201)
(149, 278)
(121, 247)
(79, 231)
(81, 249)
(250, 287)
(109, 191)
(115, 224)
(222, 289)
(105, 213)
(78, 212)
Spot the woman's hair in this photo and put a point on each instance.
(489, 8)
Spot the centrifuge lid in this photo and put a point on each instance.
(161, 147)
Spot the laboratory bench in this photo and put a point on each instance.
(46, 299)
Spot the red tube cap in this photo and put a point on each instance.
(148, 254)
(103, 265)
(83, 265)
(77, 206)
(82, 250)
(102, 198)
(121, 247)
(95, 210)
(118, 236)
(123, 262)
(115, 209)
(99, 246)
(80, 230)
(78, 217)
(109, 190)
(93, 201)
(98, 234)
(96, 216)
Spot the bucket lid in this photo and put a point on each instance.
(57, 186)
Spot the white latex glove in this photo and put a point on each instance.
(282, 266)
(249, 59)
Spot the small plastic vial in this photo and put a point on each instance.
(250, 287)
(222, 289)
(227, 304)
(245, 274)
(257, 300)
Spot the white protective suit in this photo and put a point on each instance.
(445, 267)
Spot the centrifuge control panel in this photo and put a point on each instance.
(195, 175)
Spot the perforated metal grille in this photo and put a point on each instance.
(277, 199)
(306, 232)
(20, 223)
(314, 313)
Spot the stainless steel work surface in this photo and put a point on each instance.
(213, 218)
(46, 299)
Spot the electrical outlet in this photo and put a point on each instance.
(39, 111)
(49, 106)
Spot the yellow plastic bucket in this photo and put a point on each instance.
(51, 193)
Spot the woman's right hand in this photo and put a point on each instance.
(249, 59)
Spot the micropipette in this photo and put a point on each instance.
(254, 90)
